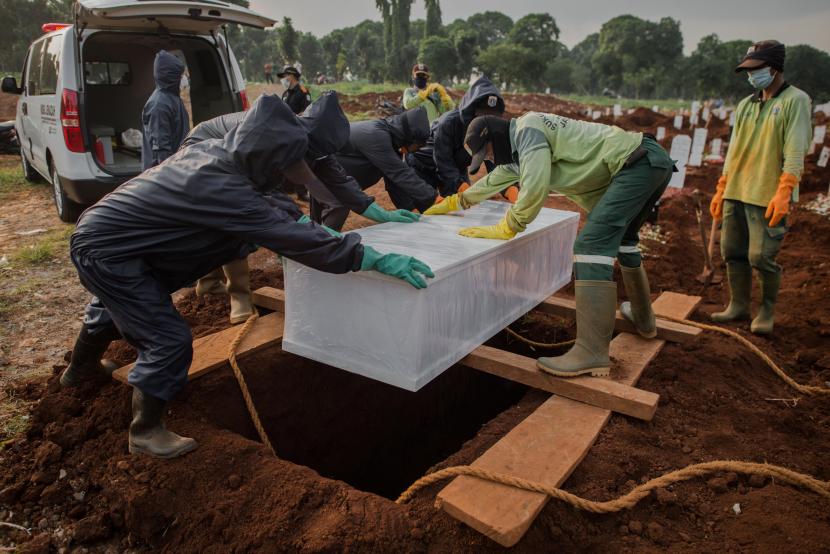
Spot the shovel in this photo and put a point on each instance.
(708, 275)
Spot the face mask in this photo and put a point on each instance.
(286, 83)
(760, 78)
(421, 82)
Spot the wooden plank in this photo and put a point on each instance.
(274, 299)
(666, 330)
(211, 352)
(603, 393)
(547, 445)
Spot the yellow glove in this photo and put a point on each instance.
(716, 206)
(501, 231)
(446, 101)
(424, 94)
(779, 206)
(445, 206)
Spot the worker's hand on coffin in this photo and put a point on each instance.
(501, 231)
(716, 205)
(401, 266)
(332, 232)
(445, 206)
(376, 213)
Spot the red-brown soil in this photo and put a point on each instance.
(347, 444)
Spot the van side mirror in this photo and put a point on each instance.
(10, 85)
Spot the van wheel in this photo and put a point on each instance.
(68, 211)
(29, 172)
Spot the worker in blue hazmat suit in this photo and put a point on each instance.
(173, 224)
(328, 131)
(443, 161)
(375, 151)
(164, 118)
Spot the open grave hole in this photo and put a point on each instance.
(375, 437)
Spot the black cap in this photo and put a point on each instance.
(289, 70)
(476, 139)
(761, 54)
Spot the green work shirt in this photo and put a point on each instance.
(555, 153)
(769, 138)
(433, 104)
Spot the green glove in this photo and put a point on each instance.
(403, 267)
(376, 213)
(332, 232)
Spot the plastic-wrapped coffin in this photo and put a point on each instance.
(383, 328)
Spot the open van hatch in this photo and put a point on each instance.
(198, 17)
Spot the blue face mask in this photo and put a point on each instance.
(760, 78)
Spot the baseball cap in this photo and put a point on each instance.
(764, 53)
(419, 68)
(289, 70)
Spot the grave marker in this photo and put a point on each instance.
(596, 115)
(678, 122)
(681, 146)
(618, 110)
(819, 133)
(661, 133)
(823, 157)
(698, 145)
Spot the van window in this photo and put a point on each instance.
(33, 74)
(107, 73)
(51, 65)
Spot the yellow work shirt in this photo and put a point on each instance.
(768, 138)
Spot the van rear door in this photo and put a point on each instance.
(197, 17)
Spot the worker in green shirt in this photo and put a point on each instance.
(760, 178)
(616, 176)
(432, 96)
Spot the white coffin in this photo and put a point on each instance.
(385, 329)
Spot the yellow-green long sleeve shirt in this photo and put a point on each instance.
(555, 153)
(433, 103)
(769, 138)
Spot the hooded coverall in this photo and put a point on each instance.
(174, 223)
(164, 119)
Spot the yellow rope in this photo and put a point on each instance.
(538, 344)
(806, 389)
(635, 495)
(246, 394)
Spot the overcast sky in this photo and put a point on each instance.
(790, 21)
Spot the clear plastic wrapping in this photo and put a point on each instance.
(383, 328)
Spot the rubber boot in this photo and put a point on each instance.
(596, 307)
(740, 288)
(211, 283)
(148, 434)
(638, 310)
(239, 289)
(763, 322)
(86, 363)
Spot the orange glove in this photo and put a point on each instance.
(463, 186)
(779, 206)
(716, 206)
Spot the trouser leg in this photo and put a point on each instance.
(764, 246)
(734, 244)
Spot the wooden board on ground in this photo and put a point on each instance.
(211, 352)
(547, 445)
(603, 393)
(666, 330)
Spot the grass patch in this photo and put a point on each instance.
(53, 243)
(11, 180)
(356, 87)
(14, 419)
(671, 104)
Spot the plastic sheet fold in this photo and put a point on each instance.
(383, 328)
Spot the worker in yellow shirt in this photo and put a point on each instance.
(616, 176)
(432, 96)
(760, 178)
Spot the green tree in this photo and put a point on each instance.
(395, 15)
(490, 27)
(312, 55)
(433, 22)
(367, 43)
(510, 63)
(341, 66)
(537, 31)
(289, 41)
(710, 69)
(465, 42)
(808, 68)
(583, 77)
(439, 54)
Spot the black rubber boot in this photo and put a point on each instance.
(86, 364)
(638, 309)
(148, 434)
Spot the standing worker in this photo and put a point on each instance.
(432, 96)
(760, 178)
(164, 119)
(173, 224)
(614, 175)
(268, 68)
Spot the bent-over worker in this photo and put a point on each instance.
(175, 223)
(616, 176)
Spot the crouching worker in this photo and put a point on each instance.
(176, 222)
(614, 175)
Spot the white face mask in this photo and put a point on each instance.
(286, 83)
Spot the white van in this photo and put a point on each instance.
(84, 84)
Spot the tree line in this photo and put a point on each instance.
(628, 56)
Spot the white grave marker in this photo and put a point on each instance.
(812, 149)
(823, 157)
(661, 133)
(693, 120)
(618, 110)
(681, 146)
(716, 148)
(655, 108)
(732, 119)
(678, 122)
(706, 114)
(596, 115)
(698, 146)
(819, 133)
